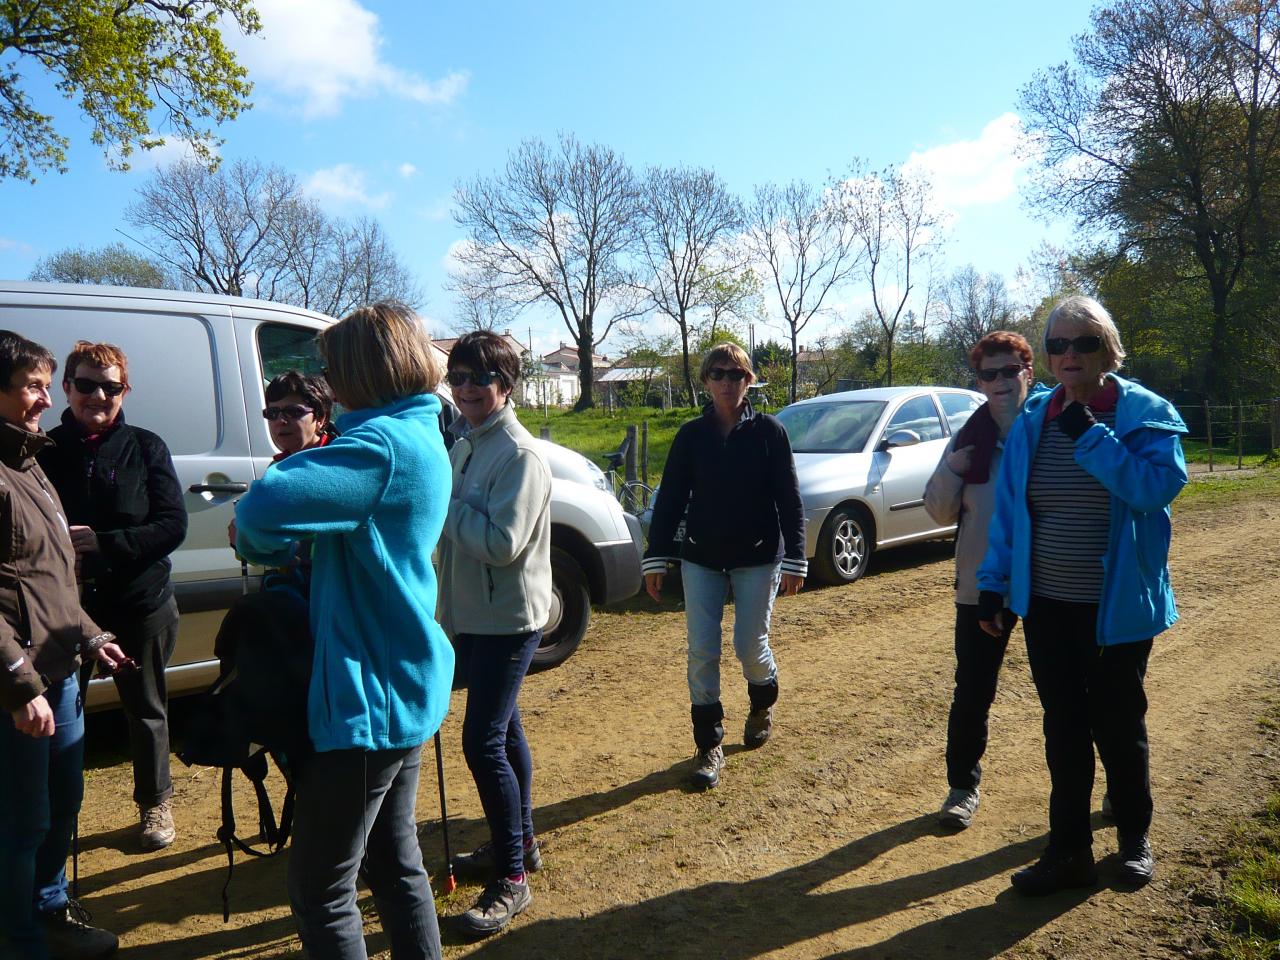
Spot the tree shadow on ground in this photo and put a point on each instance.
(738, 921)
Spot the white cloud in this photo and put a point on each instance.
(324, 52)
(406, 170)
(344, 185)
(16, 246)
(970, 173)
(171, 151)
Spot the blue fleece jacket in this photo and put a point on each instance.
(1140, 463)
(375, 500)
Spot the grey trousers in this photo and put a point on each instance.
(355, 808)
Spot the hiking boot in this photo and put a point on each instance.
(757, 728)
(1054, 872)
(496, 907)
(1137, 863)
(707, 766)
(69, 937)
(959, 807)
(1107, 812)
(157, 826)
(480, 864)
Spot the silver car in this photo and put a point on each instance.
(863, 459)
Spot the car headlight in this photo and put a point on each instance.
(598, 479)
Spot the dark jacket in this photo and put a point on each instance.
(126, 489)
(742, 496)
(43, 631)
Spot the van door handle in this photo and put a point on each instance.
(218, 488)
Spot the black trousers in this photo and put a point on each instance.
(1091, 695)
(978, 659)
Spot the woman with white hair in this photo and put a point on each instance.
(1078, 548)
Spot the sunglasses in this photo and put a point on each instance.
(1009, 372)
(89, 386)
(1058, 345)
(483, 378)
(736, 375)
(292, 412)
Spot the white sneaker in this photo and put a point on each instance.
(959, 807)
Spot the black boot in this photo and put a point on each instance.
(708, 732)
(760, 721)
(1056, 871)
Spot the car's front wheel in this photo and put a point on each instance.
(844, 546)
(570, 612)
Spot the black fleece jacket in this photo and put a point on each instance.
(127, 491)
(742, 496)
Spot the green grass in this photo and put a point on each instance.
(594, 433)
(1197, 451)
(1228, 489)
(1249, 909)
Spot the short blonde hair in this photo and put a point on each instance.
(1093, 315)
(726, 353)
(378, 354)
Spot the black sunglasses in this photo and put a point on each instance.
(89, 386)
(294, 411)
(457, 378)
(1058, 345)
(736, 375)
(1009, 372)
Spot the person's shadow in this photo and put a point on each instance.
(740, 920)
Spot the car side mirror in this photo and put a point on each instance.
(900, 438)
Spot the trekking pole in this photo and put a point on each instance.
(244, 577)
(450, 883)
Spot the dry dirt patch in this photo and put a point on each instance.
(822, 844)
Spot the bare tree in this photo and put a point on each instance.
(973, 305)
(899, 232)
(247, 230)
(555, 226)
(686, 217)
(806, 247)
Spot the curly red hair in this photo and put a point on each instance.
(1001, 341)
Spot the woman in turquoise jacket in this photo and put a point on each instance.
(374, 500)
(1079, 547)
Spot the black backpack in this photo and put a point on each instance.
(257, 709)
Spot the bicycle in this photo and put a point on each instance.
(634, 495)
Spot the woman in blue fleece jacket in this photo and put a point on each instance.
(374, 499)
(1079, 548)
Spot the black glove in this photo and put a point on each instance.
(1075, 419)
(990, 603)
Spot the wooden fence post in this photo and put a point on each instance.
(644, 452)
(1208, 429)
(544, 431)
(1275, 420)
(630, 460)
(1239, 434)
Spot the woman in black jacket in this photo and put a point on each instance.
(124, 505)
(733, 472)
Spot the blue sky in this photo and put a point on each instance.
(381, 108)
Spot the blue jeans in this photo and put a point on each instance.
(705, 592)
(354, 808)
(41, 786)
(493, 740)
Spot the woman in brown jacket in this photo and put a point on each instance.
(43, 637)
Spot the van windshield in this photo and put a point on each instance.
(840, 426)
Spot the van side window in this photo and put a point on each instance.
(282, 348)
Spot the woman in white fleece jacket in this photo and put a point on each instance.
(496, 565)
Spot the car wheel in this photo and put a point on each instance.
(844, 547)
(570, 612)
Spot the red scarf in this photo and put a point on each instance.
(324, 438)
(980, 431)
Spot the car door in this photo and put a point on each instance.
(904, 470)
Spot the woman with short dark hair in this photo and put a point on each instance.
(1079, 548)
(374, 502)
(732, 471)
(495, 566)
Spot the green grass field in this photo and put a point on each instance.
(594, 433)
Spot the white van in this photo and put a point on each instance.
(198, 365)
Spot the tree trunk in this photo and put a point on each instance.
(888, 362)
(1216, 370)
(795, 363)
(586, 395)
(688, 374)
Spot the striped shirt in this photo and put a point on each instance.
(1070, 519)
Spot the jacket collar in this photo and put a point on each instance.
(18, 446)
(503, 415)
(748, 414)
(418, 405)
(1136, 407)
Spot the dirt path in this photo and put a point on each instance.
(822, 844)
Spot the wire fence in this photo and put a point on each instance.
(1227, 433)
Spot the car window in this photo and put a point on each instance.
(836, 427)
(918, 414)
(958, 407)
(282, 348)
